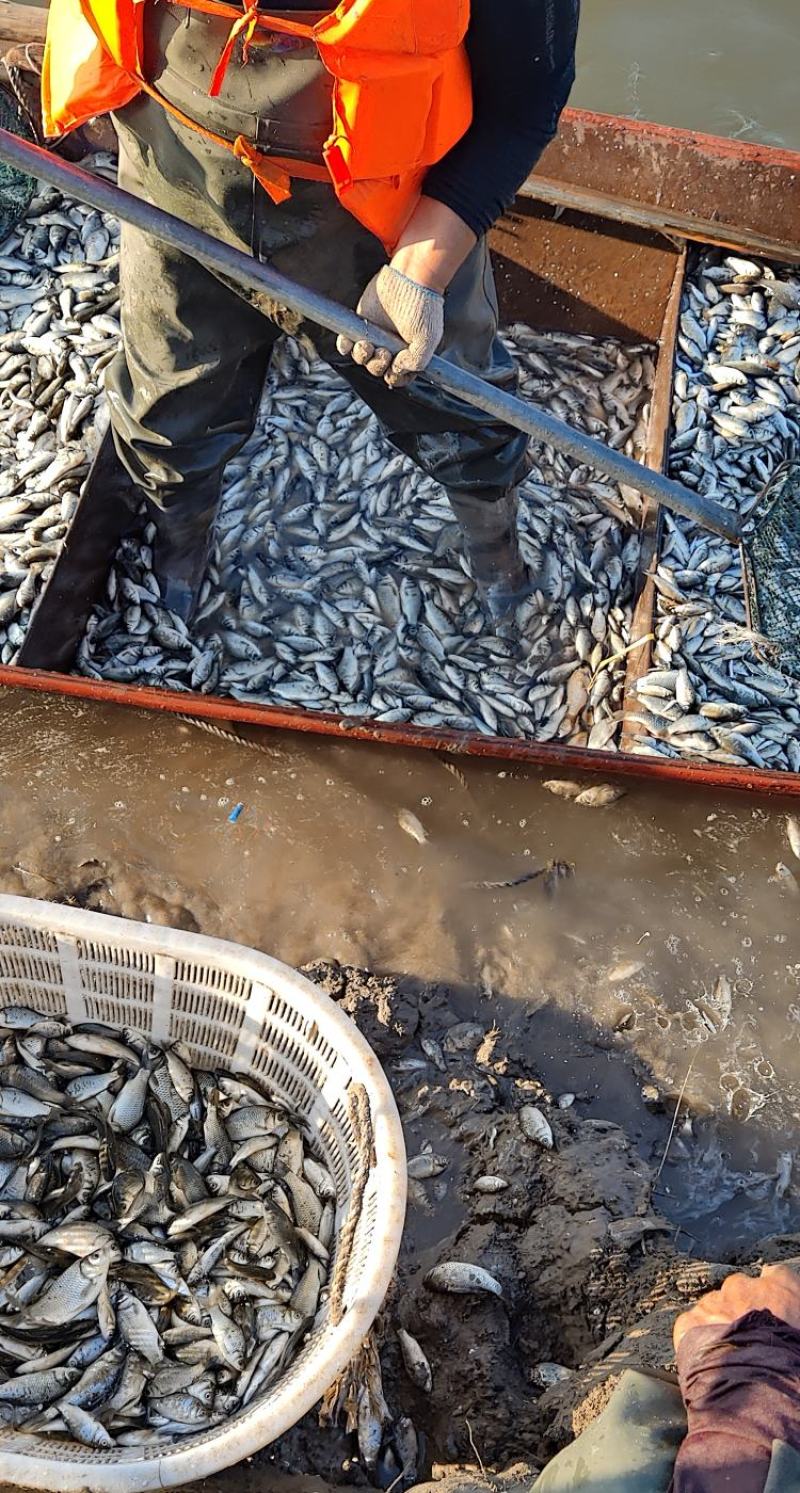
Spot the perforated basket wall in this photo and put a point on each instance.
(237, 1007)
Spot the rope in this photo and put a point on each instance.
(361, 1123)
(12, 72)
(214, 730)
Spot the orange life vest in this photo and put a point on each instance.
(402, 94)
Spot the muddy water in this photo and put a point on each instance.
(132, 813)
(722, 66)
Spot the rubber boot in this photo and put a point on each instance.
(108, 510)
(181, 549)
(492, 543)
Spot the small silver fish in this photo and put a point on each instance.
(462, 1279)
(535, 1126)
(412, 826)
(416, 1364)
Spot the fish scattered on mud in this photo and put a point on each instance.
(462, 1279)
(416, 1364)
(535, 1126)
(713, 693)
(489, 1184)
(165, 1235)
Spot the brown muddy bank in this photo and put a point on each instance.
(608, 990)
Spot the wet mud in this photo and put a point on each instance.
(480, 1001)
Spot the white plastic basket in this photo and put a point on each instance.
(243, 1010)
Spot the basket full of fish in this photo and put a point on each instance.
(202, 1193)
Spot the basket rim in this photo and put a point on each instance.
(132, 1470)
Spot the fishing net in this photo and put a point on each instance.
(16, 188)
(773, 568)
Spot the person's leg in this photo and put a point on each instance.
(478, 460)
(630, 1448)
(183, 392)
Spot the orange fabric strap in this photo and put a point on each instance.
(273, 172)
(232, 12)
(244, 23)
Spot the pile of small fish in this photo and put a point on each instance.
(713, 692)
(164, 1235)
(338, 580)
(59, 328)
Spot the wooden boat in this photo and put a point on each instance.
(597, 243)
(20, 24)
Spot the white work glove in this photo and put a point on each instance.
(399, 305)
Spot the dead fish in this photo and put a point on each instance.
(19, 1018)
(460, 1279)
(489, 1184)
(228, 1336)
(600, 796)
(72, 1292)
(629, 1231)
(17, 1105)
(81, 1238)
(411, 825)
(563, 788)
(84, 1428)
(138, 1329)
(426, 1165)
(547, 1375)
(198, 1213)
(433, 1050)
(793, 834)
(416, 1364)
(535, 1126)
(319, 1178)
(276, 1317)
(162, 1288)
(38, 1388)
(128, 1107)
(625, 971)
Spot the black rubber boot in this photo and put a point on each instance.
(107, 511)
(180, 551)
(492, 542)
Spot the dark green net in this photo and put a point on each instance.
(16, 188)
(773, 569)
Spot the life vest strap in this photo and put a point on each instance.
(273, 172)
(244, 23)
(233, 12)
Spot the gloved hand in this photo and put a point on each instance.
(414, 312)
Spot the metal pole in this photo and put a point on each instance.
(225, 259)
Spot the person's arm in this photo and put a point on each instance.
(522, 59)
(739, 1367)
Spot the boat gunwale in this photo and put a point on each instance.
(222, 708)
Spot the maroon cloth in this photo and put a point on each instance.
(741, 1387)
